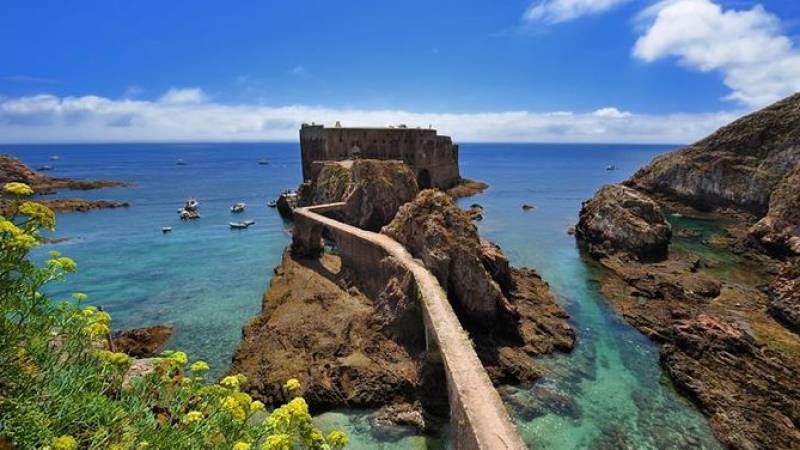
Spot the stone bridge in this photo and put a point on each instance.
(477, 414)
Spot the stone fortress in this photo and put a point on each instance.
(432, 158)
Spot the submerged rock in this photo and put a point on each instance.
(619, 219)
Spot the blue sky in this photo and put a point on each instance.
(477, 60)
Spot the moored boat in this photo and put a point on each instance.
(238, 207)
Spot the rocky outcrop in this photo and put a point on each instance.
(738, 166)
(373, 190)
(785, 303)
(619, 219)
(510, 313)
(466, 188)
(779, 230)
(749, 394)
(141, 342)
(14, 170)
(315, 326)
(436, 231)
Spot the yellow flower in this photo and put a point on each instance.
(18, 188)
(337, 439)
(88, 311)
(78, 296)
(64, 442)
(39, 213)
(256, 406)
(103, 317)
(230, 381)
(113, 358)
(241, 445)
(278, 442)
(297, 406)
(293, 384)
(192, 416)
(96, 329)
(63, 263)
(199, 366)
(232, 406)
(179, 357)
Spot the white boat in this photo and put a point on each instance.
(272, 203)
(611, 167)
(166, 230)
(55, 158)
(249, 222)
(44, 168)
(238, 225)
(191, 204)
(238, 207)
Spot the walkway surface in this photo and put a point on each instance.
(477, 414)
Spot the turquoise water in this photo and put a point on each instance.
(207, 280)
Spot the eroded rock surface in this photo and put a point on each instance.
(620, 219)
(779, 230)
(785, 303)
(739, 165)
(373, 190)
(142, 342)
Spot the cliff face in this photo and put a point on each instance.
(779, 230)
(373, 190)
(738, 166)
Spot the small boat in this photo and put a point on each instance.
(44, 168)
(191, 204)
(238, 207)
(611, 167)
(181, 162)
(238, 225)
(55, 158)
(527, 207)
(263, 162)
(272, 203)
(249, 222)
(166, 230)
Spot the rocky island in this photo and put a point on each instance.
(14, 170)
(353, 332)
(701, 249)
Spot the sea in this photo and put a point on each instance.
(207, 280)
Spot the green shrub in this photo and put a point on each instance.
(60, 389)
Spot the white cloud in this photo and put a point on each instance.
(557, 11)
(48, 118)
(183, 96)
(611, 112)
(757, 61)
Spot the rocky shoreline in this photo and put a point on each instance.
(354, 345)
(13, 170)
(723, 304)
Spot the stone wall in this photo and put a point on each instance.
(433, 158)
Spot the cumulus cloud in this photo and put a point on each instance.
(758, 63)
(183, 96)
(557, 11)
(49, 118)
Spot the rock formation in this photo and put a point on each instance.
(620, 219)
(12, 169)
(372, 189)
(738, 166)
(141, 342)
(722, 346)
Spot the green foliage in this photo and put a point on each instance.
(61, 389)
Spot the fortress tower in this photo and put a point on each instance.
(433, 158)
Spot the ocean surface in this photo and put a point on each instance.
(207, 280)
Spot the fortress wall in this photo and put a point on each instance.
(429, 155)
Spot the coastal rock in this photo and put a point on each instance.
(141, 342)
(785, 302)
(750, 394)
(81, 205)
(475, 212)
(436, 231)
(621, 219)
(316, 327)
(373, 190)
(466, 188)
(14, 170)
(737, 166)
(779, 230)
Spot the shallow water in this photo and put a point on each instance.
(207, 280)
